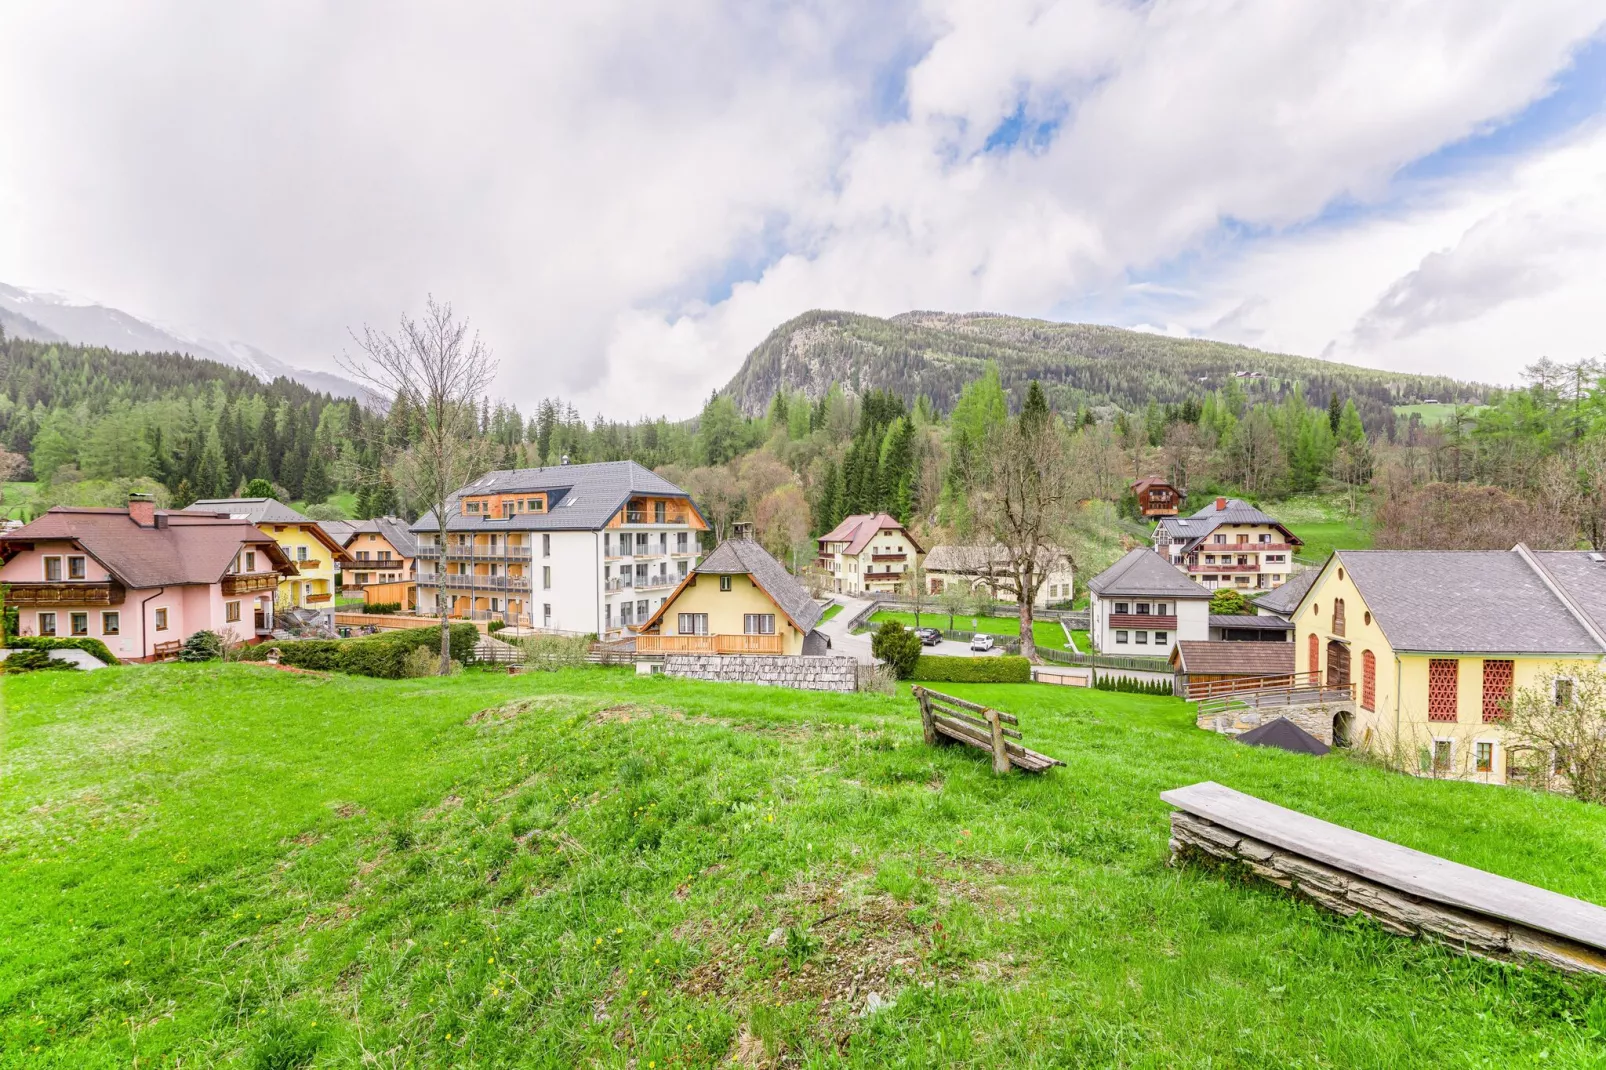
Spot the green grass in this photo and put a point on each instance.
(19, 498)
(831, 610)
(1436, 413)
(1084, 642)
(1324, 523)
(235, 866)
(1047, 632)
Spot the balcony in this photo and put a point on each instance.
(1223, 568)
(889, 557)
(317, 598)
(108, 593)
(652, 583)
(479, 553)
(470, 581)
(249, 582)
(1146, 621)
(708, 644)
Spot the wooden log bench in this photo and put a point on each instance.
(1405, 891)
(166, 651)
(945, 719)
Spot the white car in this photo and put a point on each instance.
(981, 643)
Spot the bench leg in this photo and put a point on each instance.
(927, 726)
(1000, 752)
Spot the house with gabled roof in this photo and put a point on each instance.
(738, 600)
(316, 554)
(1228, 543)
(868, 552)
(383, 554)
(141, 579)
(1434, 644)
(579, 548)
(1141, 605)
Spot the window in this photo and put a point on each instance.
(52, 570)
(659, 512)
(724, 583)
(1143, 609)
(680, 542)
(641, 610)
(663, 542)
(546, 577)
(301, 553)
(111, 623)
(1497, 676)
(627, 613)
(546, 614)
(1159, 607)
(1120, 637)
(471, 507)
(1220, 540)
(1443, 753)
(546, 545)
(758, 623)
(1368, 680)
(1243, 540)
(693, 624)
(1274, 559)
(681, 567)
(76, 568)
(79, 622)
(1265, 538)
(161, 620)
(1123, 607)
(1484, 757)
(250, 560)
(1443, 681)
(1338, 616)
(47, 624)
(231, 612)
(641, 542)
(1142, 638)
(1161, 638)
(1563, 692)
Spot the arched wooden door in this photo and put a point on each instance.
(1337, 664)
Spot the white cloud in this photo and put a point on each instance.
(580, 179)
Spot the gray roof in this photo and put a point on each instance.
(1583, 576)
(1476, 601)
(1264, 624)
(395, 531)
(342, 531)
(1190, 529)
(1142, 572)
(1285, 599)
(587, 496)
(1284, 735)
(256, 510)
(744, 557)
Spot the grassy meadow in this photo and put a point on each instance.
(1047, 632)
(237, 866)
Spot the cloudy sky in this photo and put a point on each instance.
(626, 197)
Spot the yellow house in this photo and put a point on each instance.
(1434, 643)
(868, 552)
(314, 553)
(739, 600)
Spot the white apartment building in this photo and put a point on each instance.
(569, 548)
(868, 552)
(1228, 543)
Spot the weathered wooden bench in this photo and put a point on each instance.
(1405, 891)
(164, 651)
(945, 718)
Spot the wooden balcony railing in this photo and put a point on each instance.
(1223, 568)
(1162, 622)
(319, 597)
(708, 644)
(889, 557)
(250, 582)
(107, 593)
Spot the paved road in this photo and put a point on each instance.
(842, 642)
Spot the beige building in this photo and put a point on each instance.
(985, 571)
(1228, 543)
(868, 552)
(739, 600)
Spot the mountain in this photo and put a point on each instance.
(50, 317)
(937, 353)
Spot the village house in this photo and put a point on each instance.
(1434, 644)
(1156, 497)
(981, 568)
(739, 600)
(383, 554)
(1142, 605)
(1228, 543)
(141, 579)
(868, 552)
(579, 548)
(316, 555)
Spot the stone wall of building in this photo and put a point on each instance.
(1315, 719)
(803, 673)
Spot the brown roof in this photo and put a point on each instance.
(183, 548)
(1234, 658)
(744, 557)
(858, 530)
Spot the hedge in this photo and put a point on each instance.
(938, 668)
(46, 642)
(382, 654)
(381, 607)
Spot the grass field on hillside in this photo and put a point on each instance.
(1325, 524)
(232, 865)
(18, 499)
(1435, 413)
(1047, 632)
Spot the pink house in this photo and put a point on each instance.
(141, 579)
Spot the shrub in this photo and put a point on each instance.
(938, 668)
(495, 626)
(382, 607)
(1132, 686)
(556, 651)
(383, 655)
(421, 662)
(48, 642)
(1227, 602)
(24, 659)
(202, 646)
(897, 646)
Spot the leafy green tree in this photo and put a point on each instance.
(898, 647)
(1227, 602)
(259, 488)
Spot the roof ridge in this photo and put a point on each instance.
(1531, 559)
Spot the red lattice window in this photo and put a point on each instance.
(1443, 680)
(1368, 681)
(1496, 689)
(1315, 655)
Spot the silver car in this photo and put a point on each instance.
(981, 643)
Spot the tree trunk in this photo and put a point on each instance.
(441, 605)
(1023, 603)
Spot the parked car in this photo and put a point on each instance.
(981, 643)
(929, 636)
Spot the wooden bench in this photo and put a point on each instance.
(945, 718)
(164, 651)
(1406, 891)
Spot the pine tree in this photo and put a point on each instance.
(1034, 414)
(212, 470)
(316, 486)
(1334, 412)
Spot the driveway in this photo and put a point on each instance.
(856, 646)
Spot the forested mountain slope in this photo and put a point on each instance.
(936, 353)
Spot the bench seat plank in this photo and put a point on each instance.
(1394, 866)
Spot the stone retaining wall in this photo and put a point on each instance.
(1398, 912)
(804, 673)
(1315, 719)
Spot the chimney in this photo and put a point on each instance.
(1221, 505)
(743, 529)
(142, 510)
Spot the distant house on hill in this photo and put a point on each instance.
(981, 569)
(1142, 605)
(738, 600)
(1156, 497)
(868, 552)
(1228, 543)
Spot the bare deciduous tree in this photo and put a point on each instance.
(441, 372)
(1564, 717)
(1467, 516)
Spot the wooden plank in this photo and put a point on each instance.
(1029, 760)
(1394, 866)
(1007, 718)
(980, 736)
(1000, 747)
(976, 721)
